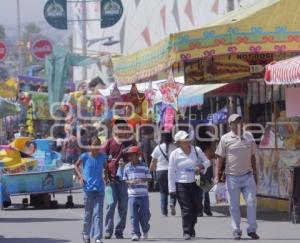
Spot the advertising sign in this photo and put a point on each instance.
(41, 48)
(3, 51)
(111, 12)
(55, 13)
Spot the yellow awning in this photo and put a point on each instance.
(266, 26)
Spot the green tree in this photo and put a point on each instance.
(31, 30)
(2, 32)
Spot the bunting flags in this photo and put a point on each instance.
(176, 14)
(146, 36)
(189, 11)
(137, 2)
(163, 17)
(215, 7)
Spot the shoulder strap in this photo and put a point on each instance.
(166, 157)
(196, 152)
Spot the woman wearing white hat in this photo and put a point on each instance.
(185, 161)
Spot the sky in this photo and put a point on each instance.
(30, 11)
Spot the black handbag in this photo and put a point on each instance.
(203, 181)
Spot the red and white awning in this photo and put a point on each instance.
(283, 72)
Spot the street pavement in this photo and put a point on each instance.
(65, 225)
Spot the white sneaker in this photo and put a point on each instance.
(135, 238)
(98, 241)
(144, 236)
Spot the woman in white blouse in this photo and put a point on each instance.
(160, 163)
(184, 162)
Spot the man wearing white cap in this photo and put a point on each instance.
(237, 148)
(184, 162)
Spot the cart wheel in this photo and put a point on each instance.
(25, 202)
(54, 204)
(69, 203)
(6, 204)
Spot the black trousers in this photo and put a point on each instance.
(188, 199)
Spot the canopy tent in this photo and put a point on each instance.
(8, 108)
(266, 26)
(283, 72)
(188, 96)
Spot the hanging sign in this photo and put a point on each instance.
(111, 12)
(55, 13)
(41, 48)
(3, 51)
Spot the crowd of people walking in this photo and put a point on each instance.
(128, 167)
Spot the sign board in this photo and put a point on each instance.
(55, 13)
(3, 51)
(111, 12)
(41, 48)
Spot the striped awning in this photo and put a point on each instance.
(283, 72)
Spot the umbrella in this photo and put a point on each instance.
(8, 108)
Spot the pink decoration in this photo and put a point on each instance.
(163, 17)
(215, 7)
(146, 36)
(189, 11)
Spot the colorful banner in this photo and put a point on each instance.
(170, 91)
(9, 89)
(264, 27)
(40, 106)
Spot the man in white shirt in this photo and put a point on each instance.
(237, 148)
(185, 161)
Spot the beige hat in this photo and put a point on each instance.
(181, 136)
(233, 118)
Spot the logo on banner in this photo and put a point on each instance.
(41, 48)
(3, 51)
(111, 12)
(55, 12)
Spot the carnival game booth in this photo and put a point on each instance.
(31, 167)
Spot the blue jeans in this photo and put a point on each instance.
(120, 196)
(140, 214)
(93, 218)
(162, 179)
(236, 185)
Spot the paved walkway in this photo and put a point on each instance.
(64, 225)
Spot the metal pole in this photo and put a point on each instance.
(20, 62)
(84, 38)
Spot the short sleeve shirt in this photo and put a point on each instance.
(162, 162)
(139, 171)
(237, 152)
(93, 171)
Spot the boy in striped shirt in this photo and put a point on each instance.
(137, 175)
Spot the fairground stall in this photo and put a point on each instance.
(233, 49)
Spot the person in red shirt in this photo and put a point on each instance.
(115, 148)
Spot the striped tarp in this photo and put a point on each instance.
(283, 72)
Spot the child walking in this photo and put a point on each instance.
(92, 181)
(137, 175)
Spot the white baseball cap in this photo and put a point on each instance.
(233, 118)
(181, 136)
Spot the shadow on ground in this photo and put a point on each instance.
(31, 240)
(34, 220)
(262, 213)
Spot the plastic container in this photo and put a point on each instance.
(109, 198)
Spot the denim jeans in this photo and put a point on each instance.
(162, 179)
(140, 214)
(236, 185)
(93, 218)
(120, 196)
